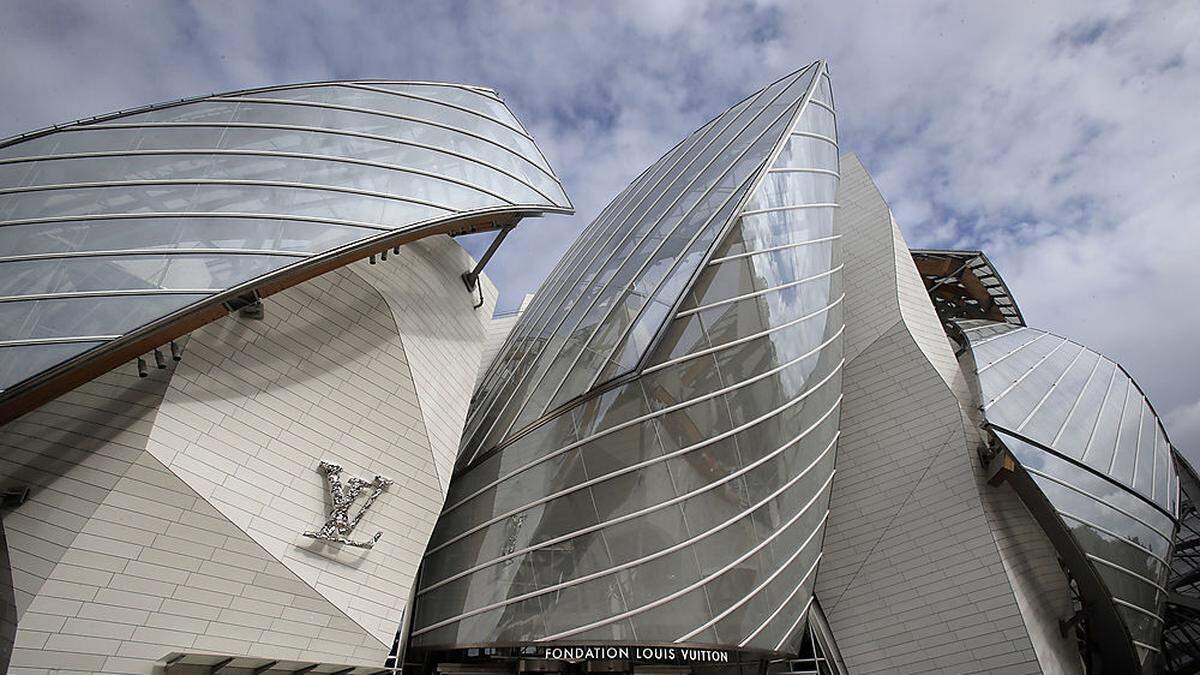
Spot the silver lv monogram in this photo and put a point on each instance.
(340, 524)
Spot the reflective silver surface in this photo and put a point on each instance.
(686, 503)
(342, 495)
(109, 224)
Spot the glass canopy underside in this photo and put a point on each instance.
(109, 225)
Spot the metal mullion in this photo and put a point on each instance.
(772, 249)
(756, 180)
(518, 128)
(704, 581)
(1119, 537)
(742, 340)
(997, 336)
(446, 104)
(1136, 608)
(649, 258)
(819, 137)
(1137, 448)
(1008, 354)
(725, 480)
(592, 251)
(794, 207)
(1120, 426)
(1052, 388)
(589, 247)
(785, 169)
(334, 159)
(153, 252)
(1098, 500)
(108, 293)
(151, 215)
(319, 130)
(216, 181)
(629, 233)
(1070, 413)
(1019, 380)
(801, 617)
(1121, 568)
(643, 418)
(771, 577)
(755, 294)
(771, 617)
(824, 105)
(57, 340)
(1154, 469)
(639, 561)
(382, 113)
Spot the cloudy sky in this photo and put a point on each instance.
(1062, 138)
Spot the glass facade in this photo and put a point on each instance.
(649, 458)
(110, 224)
(1092, 444)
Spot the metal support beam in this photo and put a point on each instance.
(216, 667)
(265, 667)
(471, 279)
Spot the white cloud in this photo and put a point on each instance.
(1060, 138)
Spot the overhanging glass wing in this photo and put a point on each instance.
(110, 224)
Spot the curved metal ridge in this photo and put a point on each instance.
(704, 581)
(642, 464)
(107, 293)
(587, 247)
(475, 89)
(220, 181)
(383, 113)
(755, 294)
(724, 480)
(638, 420)
(308, 129)
(446, 104)
(254, 153)
(771, 617)
(134, 252)
(633, 563)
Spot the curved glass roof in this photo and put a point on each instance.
(600, 309)
(113, 224)
(1067, 398)
(1093, 446)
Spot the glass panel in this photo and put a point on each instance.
(101, 316)
(20, 362)
(1045, 423)
(1016, 403)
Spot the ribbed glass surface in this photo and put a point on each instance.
(597, 312)
(1066, 397)
(1127, 541)
(1093, 445)
(688, 503)
(108, 225)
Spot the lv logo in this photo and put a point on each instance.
(340, 524)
